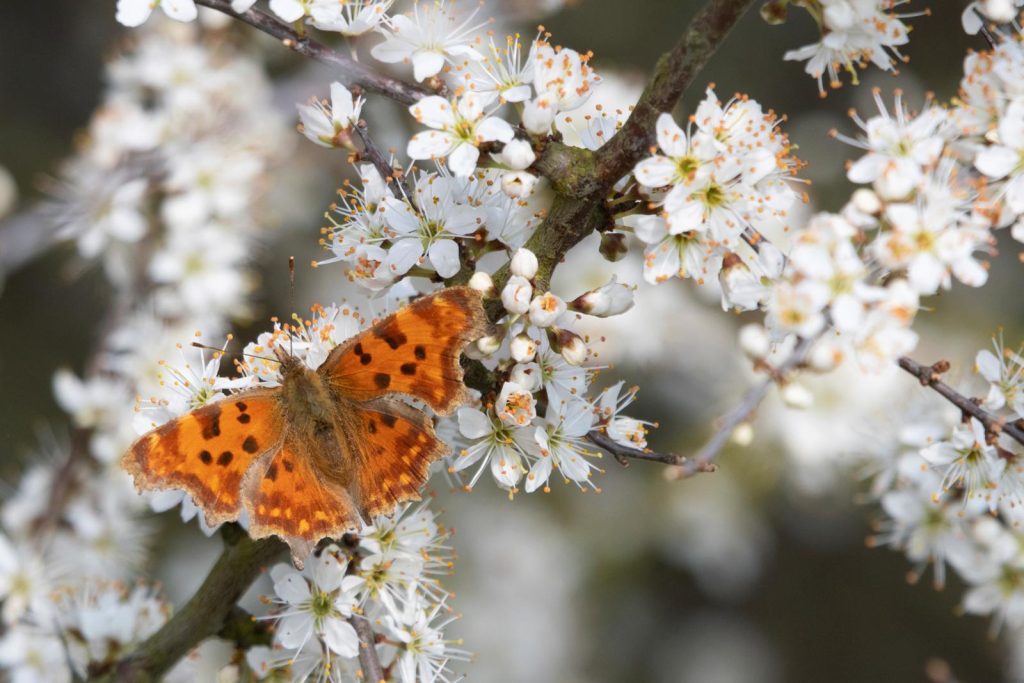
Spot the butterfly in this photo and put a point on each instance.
(328, 448)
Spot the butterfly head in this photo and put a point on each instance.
(291, 365)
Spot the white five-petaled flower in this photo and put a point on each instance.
(516, 405)
(1005, 160)
(623, 430)
(668, 255)
(563, 80)
(504, 72)
(136, 12)
(928, 530)
(459, 130)
(349, 17)
(317, 602)
(492, 442)
(900, 148)
(439, 213)
(928, 241)
(684, 159)
(853, 32)
(428, 38)
(1004, 371)
(967, 459)
(328, 126)
(560, 443)
(423, 653)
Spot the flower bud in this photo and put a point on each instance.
(741, 288)
(797, 396)
(569, 344)
(743, 435)
(482, 282)
(608, 300)
(517, 294)
(545, 309)
(825, 357)
(866, 201)
(613, 246)
(538, 115)
(522, 349)
(754, 341)
(999, 11)
(488, 345)
(524, 263)
(527, 375)
(518, 185)
(517, 155)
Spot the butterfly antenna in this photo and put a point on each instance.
(225, 352)
(291, 301)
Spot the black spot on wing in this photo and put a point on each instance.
(209, 421)
(250, 445)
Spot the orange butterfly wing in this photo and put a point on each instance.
(414, 351)
(206, 452)
(397, 445)
(286, 496)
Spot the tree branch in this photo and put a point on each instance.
(373, 672)
(205, 614)
(673, 74)
(373, 153)
(622, 453)
(582, 179)
(352, 72)
(928, 376)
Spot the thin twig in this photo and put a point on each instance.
(351, 73)
(373, 672)
(372, 152)
(624, 453)
(928, 376)
(728, 423)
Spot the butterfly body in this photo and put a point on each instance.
(329, 447)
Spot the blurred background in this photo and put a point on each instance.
(758, 572)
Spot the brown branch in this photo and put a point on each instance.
(351, 72)
(582, 179)
(929, 376)
(204, 615)
(373, 153)
(624, 453)
(373, 672)
(674, 73)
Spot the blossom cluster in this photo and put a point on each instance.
(540, 418)
(853, 33)
(951, 491)
(469, 215)
(387, 575)
(161, 194)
